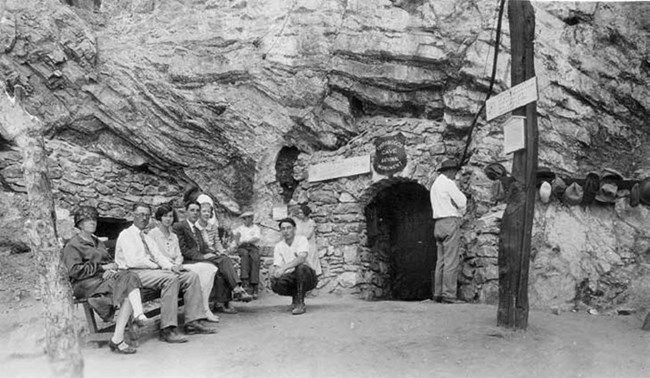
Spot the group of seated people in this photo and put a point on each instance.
(186, 257)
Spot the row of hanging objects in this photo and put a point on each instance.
(604, 188)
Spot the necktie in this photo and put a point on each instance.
(146, 248)
(199, 239)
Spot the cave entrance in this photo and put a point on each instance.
(110, 228)
(400, 234)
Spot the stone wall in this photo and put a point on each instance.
(594, 256)
(79, 177)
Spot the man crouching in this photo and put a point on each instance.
(291, 274)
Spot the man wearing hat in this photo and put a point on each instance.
(245, 240)
(194, 249)
(448, 204)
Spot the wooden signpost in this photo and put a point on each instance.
(517, 223)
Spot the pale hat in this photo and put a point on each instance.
(203, 198)
(545, 192)
(573, 194)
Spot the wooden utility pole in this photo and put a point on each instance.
(517, 224)
(61, 339)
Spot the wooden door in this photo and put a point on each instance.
(413, 246)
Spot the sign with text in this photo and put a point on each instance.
(390, 155)
(514, 134)
(515, 97)
(280, 212)
(341, 168)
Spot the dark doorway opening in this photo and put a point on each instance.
(110, 228)
(400, 234)
(284, 171)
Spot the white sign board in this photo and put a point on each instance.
(280, 212)
(342, 168)
(515, 97)
(514, 134)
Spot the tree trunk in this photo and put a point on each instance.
(517, 224)
(62, 343)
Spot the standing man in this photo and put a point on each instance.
(136, 251)
(291, 273)
(246, 238)
(448, 204)
(194, 249)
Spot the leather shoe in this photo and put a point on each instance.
(299, 310)
(437, 299)
(122, 347)
(170, 335)
(240, 294)
(195, 327)
(210, 317)
(225, 309)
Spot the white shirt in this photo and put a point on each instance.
(250, 234)
(130, 251)
(284, 253)
(446, 199)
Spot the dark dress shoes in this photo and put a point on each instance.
(170, 335)
(195, 327)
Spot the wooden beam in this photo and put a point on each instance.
(517, 224)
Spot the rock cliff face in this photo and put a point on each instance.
(208, 92)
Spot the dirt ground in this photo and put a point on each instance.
(347, 337)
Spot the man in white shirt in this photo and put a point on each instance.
(448, 204)
(291, 274)
(246, 238)
(136, 251)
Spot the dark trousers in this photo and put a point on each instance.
(288, 283)
(225, 280)
(250, 263)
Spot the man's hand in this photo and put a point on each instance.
(109, 266)
(209, 256)
(177, 269)
(278, 271)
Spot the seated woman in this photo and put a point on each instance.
(168, 244)
(94, 275)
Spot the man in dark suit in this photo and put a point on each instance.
(194, 248)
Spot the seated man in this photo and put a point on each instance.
(136, 251)
(291, 274)
(246, 238)
(194, 249)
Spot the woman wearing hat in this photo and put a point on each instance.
(94, 275)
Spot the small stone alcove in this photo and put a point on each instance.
(110, 228)
(401, 242)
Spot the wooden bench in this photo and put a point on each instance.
(100, 335)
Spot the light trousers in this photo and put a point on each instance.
(169, 284)
(447, 234)
(206, 273)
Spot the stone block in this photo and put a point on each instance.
(348, 208)
(347, 279)
(346, 197)
(350, 254)
(344, 240)
(324, 196)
